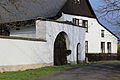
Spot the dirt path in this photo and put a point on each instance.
(106, 71)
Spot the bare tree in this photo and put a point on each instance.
(110, 11)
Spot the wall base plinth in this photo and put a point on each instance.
(22, 67)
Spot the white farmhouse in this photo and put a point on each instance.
(98, 38)
(34, 42)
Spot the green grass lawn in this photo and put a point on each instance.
(37, 73)
(33, 73)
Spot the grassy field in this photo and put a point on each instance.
(38, 73)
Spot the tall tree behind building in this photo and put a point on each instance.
(110, 12)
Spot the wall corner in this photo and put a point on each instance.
(41, 29)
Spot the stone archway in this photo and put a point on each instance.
(60, 47)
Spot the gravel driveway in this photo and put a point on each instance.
(105, 71)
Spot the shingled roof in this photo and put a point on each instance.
(21, 10)
(81, 8)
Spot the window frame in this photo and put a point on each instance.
(102, 47)
(86, 46)
(77, 1)
(76, 21)
(85, 24)
(102, 33)
(109, 47)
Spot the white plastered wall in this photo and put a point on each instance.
(28, 32)
(94, 34)
(75, 34)
(20, 52)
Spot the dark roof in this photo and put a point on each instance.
(21, 10)
(82, 8)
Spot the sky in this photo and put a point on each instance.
(95, 4)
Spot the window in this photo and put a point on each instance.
(77, 1)
(85, 24)
(102, 47)
(4, 31)
(73, 20)
(109, 47)
(86, 46)
(102, 33)
(76, 21)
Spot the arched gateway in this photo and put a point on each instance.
(60, 46)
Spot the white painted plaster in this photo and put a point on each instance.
(19, 52)
(94, 34)
(75, 34)
(28, 32)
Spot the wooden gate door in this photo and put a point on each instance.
(78, 52)
(60, 57)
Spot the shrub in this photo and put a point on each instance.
(118, 48)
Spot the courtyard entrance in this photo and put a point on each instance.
(60, 47)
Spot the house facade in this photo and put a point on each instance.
(98, 38)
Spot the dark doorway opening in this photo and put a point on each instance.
(78, 53)
(60, 56)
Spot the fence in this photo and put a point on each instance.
(102, 56)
